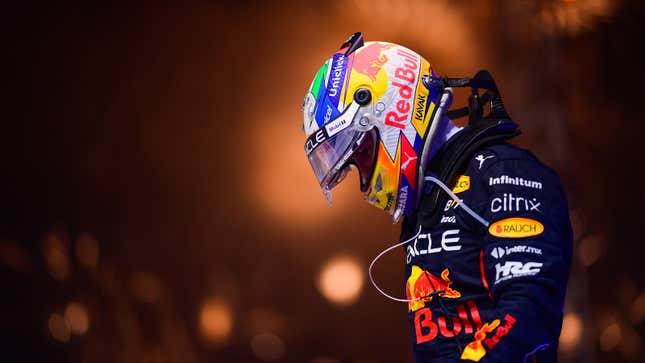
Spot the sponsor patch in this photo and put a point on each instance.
(516, 228)
(475, 350)
(428, 325)
(462, 184)
(408, 161)
(390, 202)
(423, 285)
(337, 125)
(508, 180)
(336, 78)
(405, 80)
(481, 159)
(451, 204)
(513, 203)
(403, 198)
(513, 269)
(372, 59)
(501, 332)
(499, 252)
(448, 219)
(423, 244)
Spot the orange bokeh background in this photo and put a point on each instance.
(158, 205)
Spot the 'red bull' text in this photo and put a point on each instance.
(427, 327)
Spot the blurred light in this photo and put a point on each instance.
(215, 321)
(267, 347)
(574, 16)
(631, 345)
(610, 337)
(571, 332)
(59, 328)
(638, 309)
(323, 360)
(77, 318)
(627, 292)
(224, 281)
(590, 249)
(577, 223)
(87, 250)
(108, 278)
(14, 256)
(146, 287)
(56, 256)
(341, 280)
(265, 320)
(410, 19)
(154, 354)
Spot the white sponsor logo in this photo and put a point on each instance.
(328, 113)
(512, 269)
(337, 125)
(510, 203)
(311, 144)
(403, 198)
(448, 219)
(481, 159)
(449, 242)
(451, 204)
(499, 252)
(335, 76)
(505, 179)
(407, 161)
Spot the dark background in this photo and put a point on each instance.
(152, 166)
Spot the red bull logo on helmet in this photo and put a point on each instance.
(372, 59)
(423, 285)
(405, 81)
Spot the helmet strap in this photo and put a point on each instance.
(431, 146)
(476, 102)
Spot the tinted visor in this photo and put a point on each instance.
(327, 159)
(330, 148)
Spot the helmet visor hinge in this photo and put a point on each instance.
(354, 42)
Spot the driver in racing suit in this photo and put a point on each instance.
(486, 228)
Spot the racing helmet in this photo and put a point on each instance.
(371, 107)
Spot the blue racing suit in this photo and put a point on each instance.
(490, 293)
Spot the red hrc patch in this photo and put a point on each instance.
(426, 328)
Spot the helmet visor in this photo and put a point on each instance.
(329, 148)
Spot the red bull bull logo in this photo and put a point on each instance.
(371, 60)
(423, 285)
(475, 350)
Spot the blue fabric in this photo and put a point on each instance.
(515, 284)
